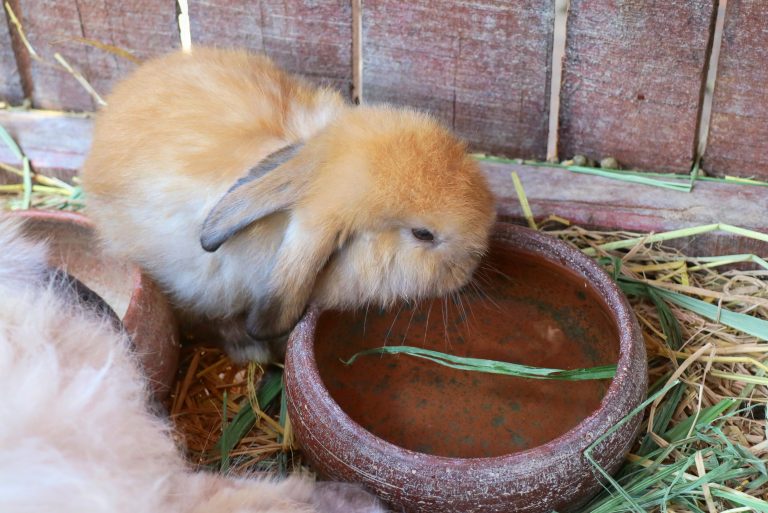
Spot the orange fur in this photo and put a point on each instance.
(330, 224)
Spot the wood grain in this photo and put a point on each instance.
(309, 37)
(10, 81)
(632, 81)
(61, 141)
(144, 27)
(738, 137)
(52, 141)
(483, 67)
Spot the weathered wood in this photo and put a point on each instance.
(602, 202)
(483, 67)
(61, 141)
(311, 38)
(738, 138)
(632, 81)
(52, 140)
(10, 81)
(144, 27)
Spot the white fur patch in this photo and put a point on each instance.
(76, 434)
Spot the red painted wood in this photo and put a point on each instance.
(10, 81)
(61, 142)
(632, 81)
(738, 138)
(52, 141)
(142, 26)
(311, 38)
(596, 201)
(482, 67)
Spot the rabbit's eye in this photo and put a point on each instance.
(423, 234)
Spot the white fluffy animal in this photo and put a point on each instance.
(75, 431)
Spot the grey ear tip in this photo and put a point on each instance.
(210, 244)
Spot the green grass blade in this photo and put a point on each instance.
(631, 503)
(11, 143)
(225, 450)
(631, 178)
(752, 234)
(706, 416)
(282, 457)
(709, 262)
(677, 234)
(492, 366)
(742, 322)
(26, 199)
(662, 419)
(243, 421)
(656, 237)
(669, 323)
(740, 498)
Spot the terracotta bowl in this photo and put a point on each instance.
(137, 301)
(424, 437)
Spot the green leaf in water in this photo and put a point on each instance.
(492, 366)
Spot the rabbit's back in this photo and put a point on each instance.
(174, 137)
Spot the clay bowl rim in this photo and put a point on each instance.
(302, 340)
(137, 279)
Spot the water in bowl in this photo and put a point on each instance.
(527, 311)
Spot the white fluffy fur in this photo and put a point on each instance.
(76, 434)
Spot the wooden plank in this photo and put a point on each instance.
(738, 137)
(309, 37)
(55, 140)
(632, 81)
(596, 201)
(11, 91)
(142, 26)
(483, 67)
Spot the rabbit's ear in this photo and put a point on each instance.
(275, 184)
(308, 244)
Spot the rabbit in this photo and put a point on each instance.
(248, 193)
(77, 434)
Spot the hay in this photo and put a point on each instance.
(231, 417)
(704, 437)
(704, 434)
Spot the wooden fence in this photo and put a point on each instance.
(633, 82)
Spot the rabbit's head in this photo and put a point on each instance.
(384, 204)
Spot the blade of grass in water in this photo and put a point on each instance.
(492, 366)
